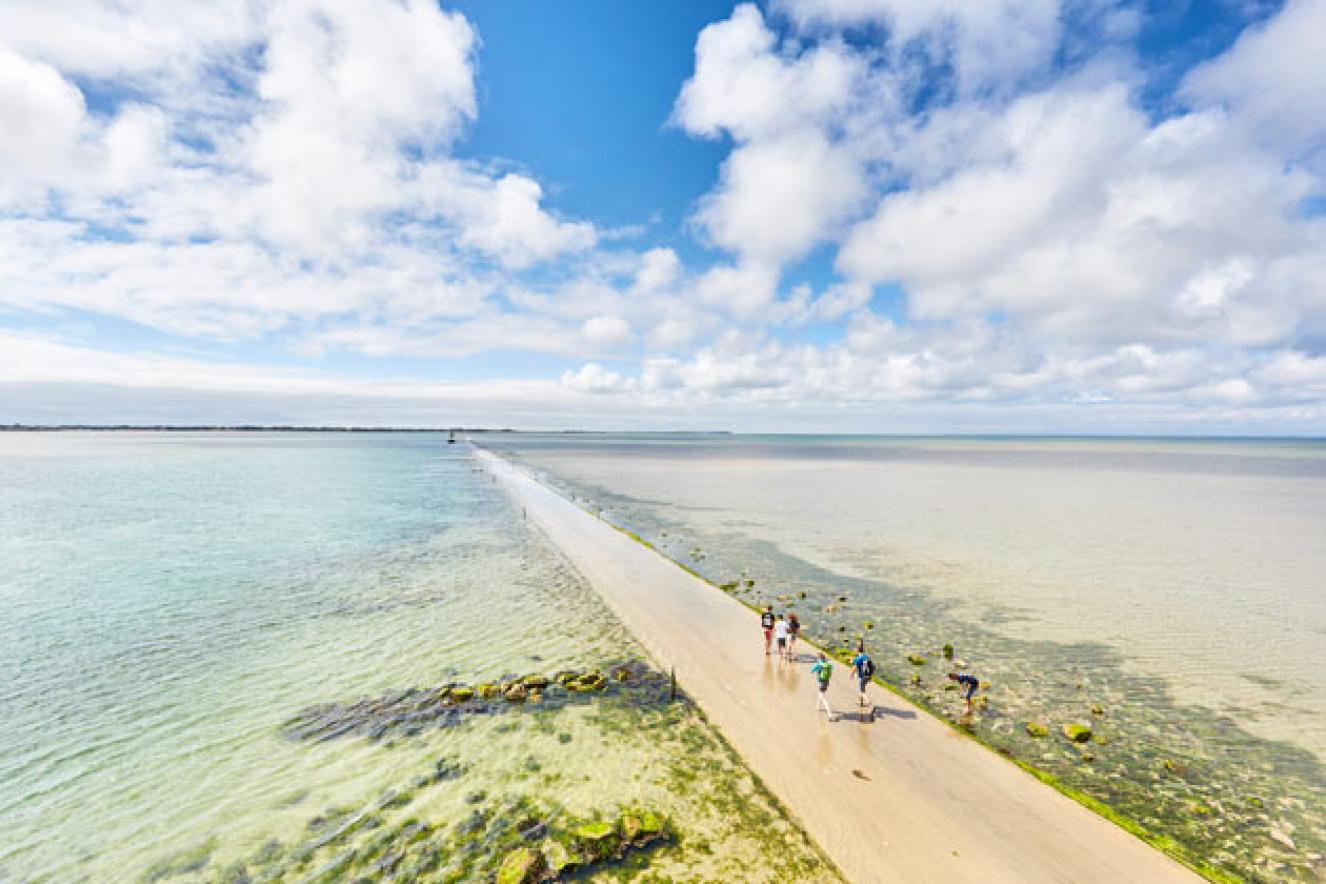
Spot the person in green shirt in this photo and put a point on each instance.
(822, 669)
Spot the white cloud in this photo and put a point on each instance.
(991, 44)
(1274, 80)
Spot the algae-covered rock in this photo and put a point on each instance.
(729, 586)
(523, 865)
(462, 694)
(1036, 729)
(590, 681)
(558, 858)
(651, 823)
(1077, 733)
(916, 659)
(515, 693)
(641, 829)
(597, 840)
(488, 691)
(566, 677)
(801, 595)
(536, 682)
(869, 624)
(1097, 709)
(948, 652)
(621, 673)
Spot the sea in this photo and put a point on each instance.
(226, 657)
(1169, 594)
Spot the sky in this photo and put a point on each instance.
(909, 216)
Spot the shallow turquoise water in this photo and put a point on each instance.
(171, 599)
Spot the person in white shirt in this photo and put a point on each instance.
(781, 634)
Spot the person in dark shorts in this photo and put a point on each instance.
(969, 685)
(865, 670)
(822, 669)
(767, 624)
(781, 634)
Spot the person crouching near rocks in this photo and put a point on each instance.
(969, 685)
(822, 669)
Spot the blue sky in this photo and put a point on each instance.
(881, 215)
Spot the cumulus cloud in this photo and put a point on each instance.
(1048, 243)
(1274, 81)
(313, 181)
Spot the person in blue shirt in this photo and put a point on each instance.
(969, 685)
(865, 669)
(822, 669)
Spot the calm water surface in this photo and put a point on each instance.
(1176, 585)
(169, 600)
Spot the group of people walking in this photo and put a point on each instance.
(782, 631)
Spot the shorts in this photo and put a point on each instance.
(782, 643)
(824, 686)
(768, 634)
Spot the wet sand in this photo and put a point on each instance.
(902, 797)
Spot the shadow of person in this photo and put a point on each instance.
(892, 712)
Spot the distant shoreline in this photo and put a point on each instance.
(973, 437)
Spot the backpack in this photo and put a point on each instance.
(867, 668)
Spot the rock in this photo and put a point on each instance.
(515, 693)
(523, 865)
(981, 703)
(566, 677)
(869, 624)
(842, 598)
(801, 595)
(537, 682)
(621, 673)
(916, 659)
(488, 691)
(535, 697)
(597, 840)
(590, 681)
(1096, 709)
(651, 824)
(948, 652)
(1088, 756)
(916, 679)
(1036, 729)
(639, 830)
(558, 858)
(1174, 767)
(462, 694)
(1077, 733)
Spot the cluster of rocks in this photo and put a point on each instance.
(565, 851)
(409, 711)
(513, 842)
